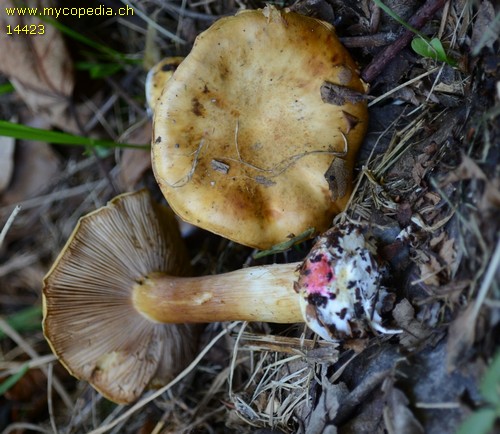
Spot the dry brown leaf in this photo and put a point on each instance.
(436, 239)
(398, 418)
(468, 169)
(491, 197)
(135, 162)
(420, 168)
(486, 29)
(36, 164)
(7, 146)
(461, 335)
(336, 176)
(414, 331)
(321, 418)
(39, 66)
(404, 213)
(429, 271)
(432, 197)
(448, 254)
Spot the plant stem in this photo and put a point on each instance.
(380, 61)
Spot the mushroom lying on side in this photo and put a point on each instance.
(89, 320)
(256, 133)
(119, 277)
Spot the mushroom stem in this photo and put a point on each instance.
(263, 293)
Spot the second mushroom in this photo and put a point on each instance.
(118, 305)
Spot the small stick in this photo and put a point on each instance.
(9, 223)
(369, 41)
(422, 16)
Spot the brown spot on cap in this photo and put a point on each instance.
(197, 107)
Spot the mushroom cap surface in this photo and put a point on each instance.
(242, 136)
(157, 76)
(89, 320)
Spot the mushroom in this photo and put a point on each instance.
(118, 303)
(89, 319)
(157, 76)
(256, 133)
(112, 285)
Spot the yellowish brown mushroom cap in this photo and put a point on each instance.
(89, 319)
(158, 76)
(243, 136)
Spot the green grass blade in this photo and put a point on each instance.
(422, 45)
(479, 422)
(396, 17)
(28, 319)
(98, 70)
(68, 31)
(6, 88)
(18, 131)
(13, 379)
(490, 384)
(285, 245)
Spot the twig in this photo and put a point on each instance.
(401, 86)
(186, 178)
(21, 426)
(50, 404)
(368, 41)
(8, 224)
(18, 262)
(359, 394)
(422, 16)
(10, 367)
(57, 196)
(177, 11)
(18, 339)
(487, 280)
(151, 23)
